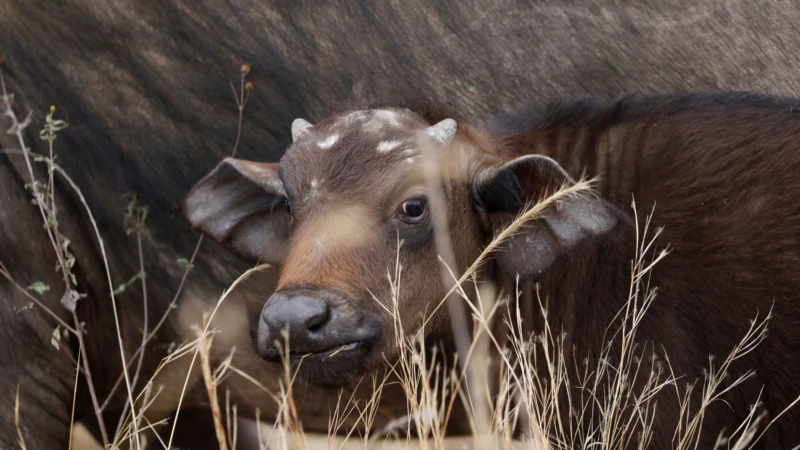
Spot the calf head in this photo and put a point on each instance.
(359, 193)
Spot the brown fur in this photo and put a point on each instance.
(721, 169)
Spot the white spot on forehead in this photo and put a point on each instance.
(312, 191)
(409, 152)
(387, 116)
(355, 116)
(387, 146)
(328, 141)
(375, 120)
(373, 126)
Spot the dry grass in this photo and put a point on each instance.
(617, 394)
(518, 406)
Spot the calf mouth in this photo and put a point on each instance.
(342, 349)
(331, 364)
(332, 367)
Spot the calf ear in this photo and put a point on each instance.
(504, 189)
(240, 203)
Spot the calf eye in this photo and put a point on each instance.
(412, 211)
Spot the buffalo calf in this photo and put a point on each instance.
(720, 171)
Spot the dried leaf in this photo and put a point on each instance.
(70, 299)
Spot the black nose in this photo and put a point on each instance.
(320, 322)
(303, 316)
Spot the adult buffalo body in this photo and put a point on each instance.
(145, 90)
(721, 171)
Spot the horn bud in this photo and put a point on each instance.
(299, 126)
(443, 132)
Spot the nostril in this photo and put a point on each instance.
(316, 325)
(317, 316)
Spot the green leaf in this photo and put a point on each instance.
(39, 287)
(32, 186)
(56, 337)
(124, 286)
(184, 262)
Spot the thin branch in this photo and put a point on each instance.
(4, 271)
(100, 241)
(241, 101)
(143, 278)
(160, 323)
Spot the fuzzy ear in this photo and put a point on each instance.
(504, 189)
(240, 203)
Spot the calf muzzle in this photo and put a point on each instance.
(315, 323)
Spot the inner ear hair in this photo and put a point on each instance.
(511, 185)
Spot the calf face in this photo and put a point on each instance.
(356, 195)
